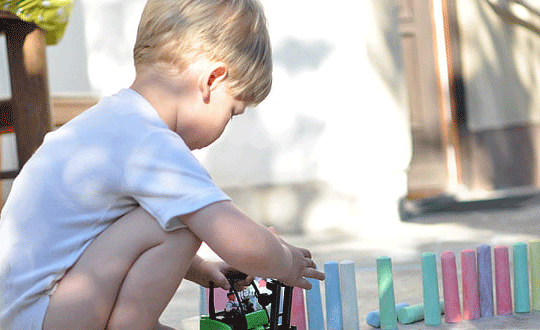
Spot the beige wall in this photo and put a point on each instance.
(501, 66)
(331, 141)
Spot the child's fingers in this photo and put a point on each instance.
(314, 273)
(306, 253)
(310, 263)
(304, 284)
(241, 285)
(221, 281)
(249, 280)
(309, 273)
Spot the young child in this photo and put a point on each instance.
(105, 219)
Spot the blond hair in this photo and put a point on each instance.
(232, 31)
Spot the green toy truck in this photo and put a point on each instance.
(245, 317)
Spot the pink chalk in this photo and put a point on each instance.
(298, 311)
(503, 291)
(220, 298)
(452, 308)
(469, 281)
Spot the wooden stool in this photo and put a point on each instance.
(27, 113)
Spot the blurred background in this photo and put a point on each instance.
(378, 107)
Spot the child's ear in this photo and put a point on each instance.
(215, 75)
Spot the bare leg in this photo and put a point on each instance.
(125, 279)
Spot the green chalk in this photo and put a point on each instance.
(387, 301)
(373, 318)
(415, 313)
(432, 314)
(534, 252)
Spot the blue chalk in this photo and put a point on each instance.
(374, 318)
(314, 306)
(334, 312)
(203, 301)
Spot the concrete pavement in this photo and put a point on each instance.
(503, 222)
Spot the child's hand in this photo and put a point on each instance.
(302, 266)
(203, 272)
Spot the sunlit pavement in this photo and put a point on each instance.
(403, 242)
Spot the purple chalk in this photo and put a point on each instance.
(485, 280)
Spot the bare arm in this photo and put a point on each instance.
(250, 247)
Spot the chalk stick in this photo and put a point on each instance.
(430, 285)
(485, 280)
(348, 295)
(415, 313)
(387, 301)
(452, 307)
(314, 306)
(220, 298)
(373, 318)
(298, 310)
(334, 312)
(534, 254)
(469, 281)
(522, 297)
(503, 291)
(203, 301)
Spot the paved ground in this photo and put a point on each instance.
(463, 226)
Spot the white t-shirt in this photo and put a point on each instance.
(94, 169)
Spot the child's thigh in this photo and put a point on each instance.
(85, 297)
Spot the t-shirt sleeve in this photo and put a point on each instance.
(166, 179)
